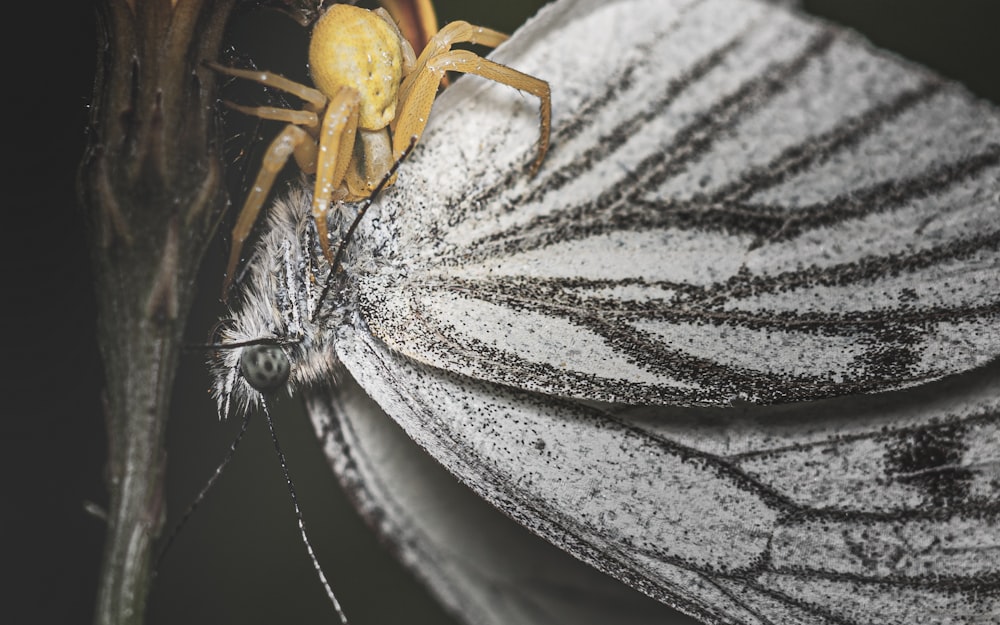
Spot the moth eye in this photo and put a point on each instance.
(265, 367)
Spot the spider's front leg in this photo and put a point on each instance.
(336, 150)
(292, 141)
(418, 99)
(455, 32)
(419, 88)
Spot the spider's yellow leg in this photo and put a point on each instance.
(292, 141)
(299, 118)
(413, 111)
(460, 32)
(455, 32)
(336, 149)
(313, 97)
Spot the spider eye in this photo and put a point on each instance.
(264, 367)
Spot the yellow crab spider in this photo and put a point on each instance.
(372, 97)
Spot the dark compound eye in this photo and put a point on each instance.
(265, 367)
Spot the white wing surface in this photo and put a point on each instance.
(484, 567)
(875, 509)
(740, 204)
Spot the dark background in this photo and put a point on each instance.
(240, 559)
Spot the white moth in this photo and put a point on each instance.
(735, 345)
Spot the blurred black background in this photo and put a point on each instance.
(240, 560)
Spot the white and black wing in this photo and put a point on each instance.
(869, 509)
(482, 566)
(739, 204)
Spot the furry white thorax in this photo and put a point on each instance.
(278, 300)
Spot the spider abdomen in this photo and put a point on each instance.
(352, 47)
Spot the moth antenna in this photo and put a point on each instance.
(265, 340)
(298, 515)
(204, 491)
(346, 237)
(214, 345)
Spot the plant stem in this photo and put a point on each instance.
(151, 185)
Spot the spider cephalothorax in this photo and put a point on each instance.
(372, 96)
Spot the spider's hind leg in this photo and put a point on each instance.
(292, 141)
(314, 99)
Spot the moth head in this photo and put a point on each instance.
(247, 370)
(246, 366)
